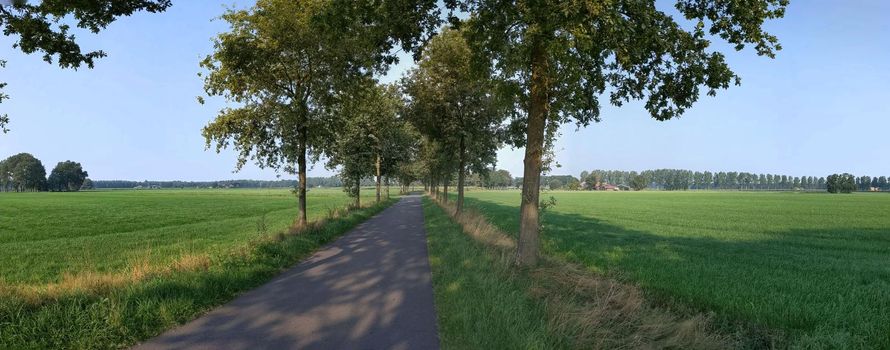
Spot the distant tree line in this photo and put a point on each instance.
(25, 173)
(556, 182)
(331, 181)
(495, 179)
(679, 179)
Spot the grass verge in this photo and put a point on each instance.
(484, 301)
(481, 301)
(96, 311)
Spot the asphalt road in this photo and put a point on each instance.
(370, 289)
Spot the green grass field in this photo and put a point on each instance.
(45, 235)
(814, 267)
(101, 236)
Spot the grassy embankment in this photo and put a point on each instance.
(108, 269)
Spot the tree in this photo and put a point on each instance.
(574, 185)
(435, 162)
(287, 64)
(556, 57)
(841, 183)
(639, 183)
(367, 139)
(5, 175)
(401, 149)
(408, 168)
(283, 63)
(555, 184)
(87, 184)
(30, 175)
(36, 26)
(498, 179)
(391, 140)
(453, 102)
(67, 176)
(864, 183)
(22, 172)
(708, 180)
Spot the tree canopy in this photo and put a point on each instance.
(368, 141)
(43, 27)
(639, 182)
(288, 64)
(67, 176)
(453, 102)
(841, 183)
(498, 179)
(283, 64)
(22, 172)
(558, 57)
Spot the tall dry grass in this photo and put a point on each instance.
(592, 310)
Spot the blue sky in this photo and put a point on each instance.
(821, 106)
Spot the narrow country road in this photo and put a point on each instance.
(370, 289)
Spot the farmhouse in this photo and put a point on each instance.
(607, 187)
(601, 186)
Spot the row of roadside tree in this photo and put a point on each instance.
(301, 79)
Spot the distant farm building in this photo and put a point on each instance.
(602, 186)
(607, 187)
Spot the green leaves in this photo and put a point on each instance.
(41, 28)
(22, 172)
(38, 27)
(369, 129)
(454, 104)
(67, 176)
(841, 183)
(626, 50)
(280, 65)
(292, 67)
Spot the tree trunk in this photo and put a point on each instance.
(358, 193)
(379, 178)
(386, 182)
(461, 176)
(445, 190)
(529, 239)
(301, 170)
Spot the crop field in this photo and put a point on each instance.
(108, 269)
(812, 269)
(46, 235)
